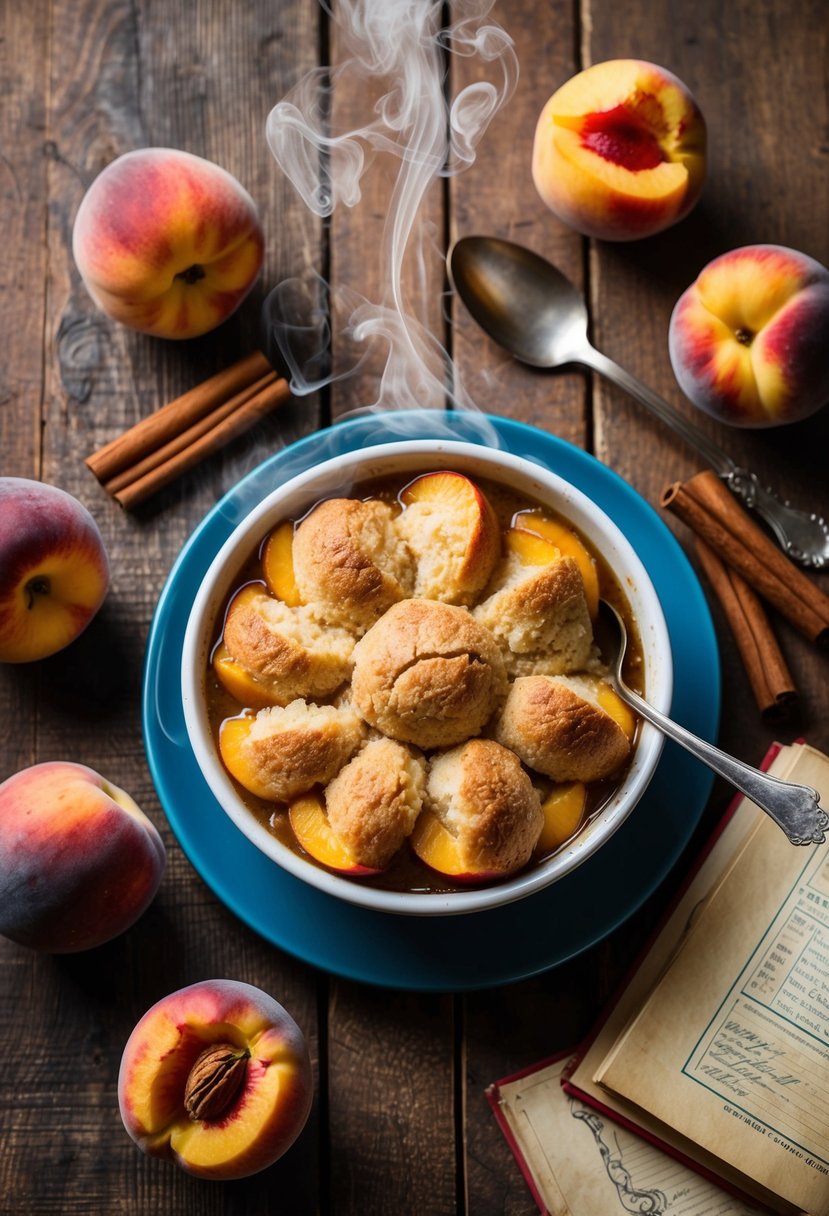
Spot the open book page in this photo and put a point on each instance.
(731, 1047)
(681, 922)
(581, 1164)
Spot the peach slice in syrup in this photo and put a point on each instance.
(612, 704)
(238, 681)
(438, 848)
(563, 810)
(278, 564)
(568, 543)
(313, 831)
(233, 736)
(530, 548)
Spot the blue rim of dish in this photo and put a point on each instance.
(439, 953)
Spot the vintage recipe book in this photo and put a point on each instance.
(718, 1047)
(578, 1163)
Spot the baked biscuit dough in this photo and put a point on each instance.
(350, 564)
(455, 541)
(286, 649)
(483, 796)
(557, 727)
(373, 803)
(427, 673)
(285, 751)
(539, 617)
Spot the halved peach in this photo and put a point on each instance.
(453, 532)
(563, 811)
(313, 831)
(216, 1076)
(566, 540)
(278, 564)
(239, 682)
(619, 150)
(437, 847)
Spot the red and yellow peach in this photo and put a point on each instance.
(619, 150)
(216, 1077)
(54, 571)
(748, 339)
(79, 862)
(167, 243)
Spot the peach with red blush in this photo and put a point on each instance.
(217, 1078)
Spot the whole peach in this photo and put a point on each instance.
(217, 1077)
(748, 340)
(54, 571)
(79, 862)
(167, 243)
(619, 150)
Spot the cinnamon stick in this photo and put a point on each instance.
(712, 512)
(768, 674)
(272, 395)
(188, 436)
(126, 450)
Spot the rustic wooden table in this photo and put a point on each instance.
(400, 1122)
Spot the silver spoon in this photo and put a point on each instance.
(794, 808)
(529, 307)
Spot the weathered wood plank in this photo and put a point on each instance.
(390, 1054)
(23, 286)
(762, 186)
(496, 196)
(371, 252)
(390, 1101)
(507, 1028)
(200, 77)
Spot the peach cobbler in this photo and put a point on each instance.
(405, 684)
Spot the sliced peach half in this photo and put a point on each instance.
(563, 811)
(453, 532)
(238, 681)
(568, 543)
(619, 150)
(316, 836)
(278, 564)
(437, 848)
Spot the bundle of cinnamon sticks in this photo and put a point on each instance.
(176, 437)
(744, 566)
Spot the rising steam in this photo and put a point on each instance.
(398, 54)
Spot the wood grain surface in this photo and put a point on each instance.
(400, 1122)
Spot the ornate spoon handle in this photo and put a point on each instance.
(794, 808)
(802, 535)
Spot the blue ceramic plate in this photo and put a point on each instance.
(446, 953)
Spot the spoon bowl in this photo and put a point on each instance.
(549, 327)
(794, 808)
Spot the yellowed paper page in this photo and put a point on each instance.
(586, 1165)
(737, 831)
(731, 1049)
